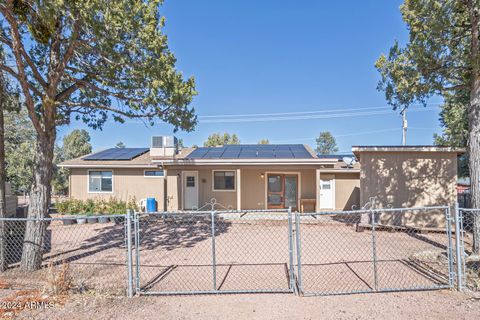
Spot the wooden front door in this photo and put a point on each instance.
(282, 191)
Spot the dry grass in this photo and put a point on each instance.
(59, 279)
(56, 290)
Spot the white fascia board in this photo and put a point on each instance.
(408, 149)
(339, 170)
(209, 162)
(146, 166)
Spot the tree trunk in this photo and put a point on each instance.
(474, 153)
(474, 124)
(3, 205)
(39, 202)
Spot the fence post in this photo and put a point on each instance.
(128, 221)
(374, 251)
(136, 223)
(214, 258)
(299, 252)
(459, 252)
(449, 222)
(290, 247)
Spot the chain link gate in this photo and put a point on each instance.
(468, 261)
(361, 251)
(197, 252)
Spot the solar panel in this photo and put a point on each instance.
(284, 151)
(266, 154)
(284, 155)
(117, 154)
(230, 154)
(248, 154)
(198, 153)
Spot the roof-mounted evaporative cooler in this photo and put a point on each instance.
(163, 146)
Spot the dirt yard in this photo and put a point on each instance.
(407, 305)
(252, 253)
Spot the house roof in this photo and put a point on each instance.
(358, 150)
(419, 148)
(141, 158)
(141, 161)
(253, 151)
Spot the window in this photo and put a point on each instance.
(191, 181)
(153, 173)
(223, 180)
(100, 181)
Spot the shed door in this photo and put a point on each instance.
(190, 190)
(327, 191)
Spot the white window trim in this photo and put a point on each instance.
(225, 190)
(156, 177)
(104, 192)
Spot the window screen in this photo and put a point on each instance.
(224, 180)
(153, 173)
(100, 181)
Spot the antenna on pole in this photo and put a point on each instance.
(404, 125)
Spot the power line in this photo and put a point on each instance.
(307, 112)
(308, 117)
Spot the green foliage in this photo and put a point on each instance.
(218, 139)
(75, 144)
(19, 150)
(326, 143)
(437, 60)
(104, 58)
(264, 141)
(96, 206)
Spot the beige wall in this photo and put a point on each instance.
(127, 183)
(409, 179)
(347, 191)
(252, 185)
(131, 183)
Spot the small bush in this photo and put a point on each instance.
(96, 206)
(59, 280)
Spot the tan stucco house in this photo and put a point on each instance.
(267, 176)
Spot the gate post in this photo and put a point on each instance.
(214, 258)
(128, 222)
(374, 250)
(459, 252)
(299, 252)
(290, 248)
(136, 231)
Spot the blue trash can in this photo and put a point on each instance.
(151, 205)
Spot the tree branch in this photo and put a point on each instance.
(16, 76)
(25, 55)
(16, 48)
(117, 111)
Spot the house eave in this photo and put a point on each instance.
(252, 162)
(140, 166)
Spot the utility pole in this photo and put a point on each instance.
(404, 126)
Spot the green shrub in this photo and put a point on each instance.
(62, 206)
(96, 206)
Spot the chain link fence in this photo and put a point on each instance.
(372, 251)
(253, 251)
(214, 252)
(87, 256)
(469, 248)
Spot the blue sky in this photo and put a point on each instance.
(268, 57)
